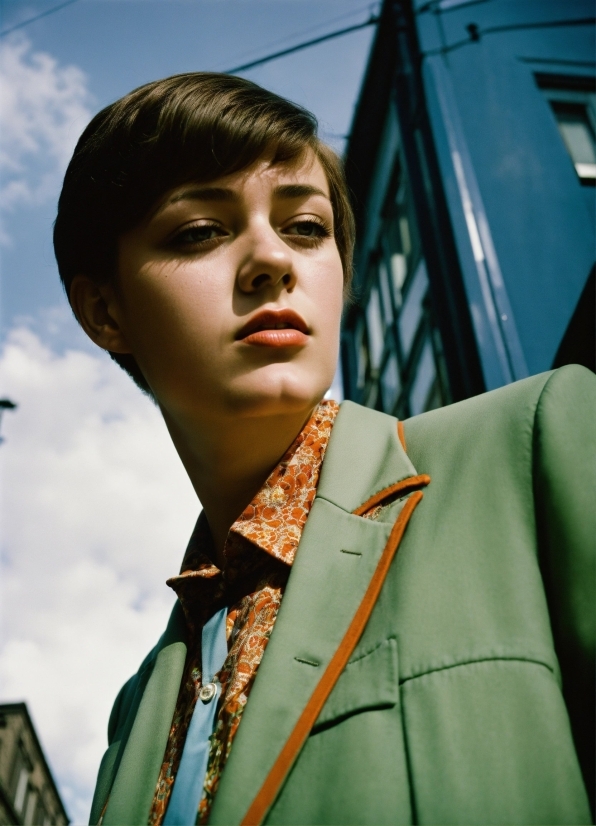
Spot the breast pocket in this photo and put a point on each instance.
(352, 769)
(369, 681)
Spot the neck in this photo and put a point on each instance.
(228, 460)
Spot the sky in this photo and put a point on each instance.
(96, 508)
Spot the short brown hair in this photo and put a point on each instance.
(191, 127)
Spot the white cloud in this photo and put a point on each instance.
(97, 510)
(44, 107)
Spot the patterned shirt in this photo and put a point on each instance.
(259, 552)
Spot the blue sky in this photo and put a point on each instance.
(96, 507)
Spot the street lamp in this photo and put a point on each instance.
(5, 404)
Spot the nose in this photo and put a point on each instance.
(267, 261)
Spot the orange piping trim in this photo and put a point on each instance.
(401, 435)
(268, 791)
(398, 487)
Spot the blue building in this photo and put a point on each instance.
(472, 161)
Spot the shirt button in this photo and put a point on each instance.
(207, 692)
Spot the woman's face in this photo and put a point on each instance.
(230, 294)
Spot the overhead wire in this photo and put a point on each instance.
(370, 7)
(444, 6)
(45, 13)
(476, 32)
(372, 19)
(66, 3)
(260, 61)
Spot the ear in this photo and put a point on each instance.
(94, 306)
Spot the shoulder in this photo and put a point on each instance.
(565, 410)
(503, 425)
(125, 699)
(128, 698)
(490, 437)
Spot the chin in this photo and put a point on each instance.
(277, 392)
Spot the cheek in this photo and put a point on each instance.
(328, 292)
(174, 316)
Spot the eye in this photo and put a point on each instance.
(311, 229)
(197, 235)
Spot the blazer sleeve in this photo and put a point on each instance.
(119, 725)
(121, 708)
(564, 451)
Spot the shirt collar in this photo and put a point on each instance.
(275, 518)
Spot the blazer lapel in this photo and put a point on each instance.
(132, 793)
(364, 456)
(338, 555)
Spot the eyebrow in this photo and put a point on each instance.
(204, 193)
(222, 195)
(298, 191)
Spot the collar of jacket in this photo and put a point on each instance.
(338, 555)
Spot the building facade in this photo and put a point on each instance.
(472, 162)
(28, 794)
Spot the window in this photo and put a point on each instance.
(376, 339)
(400, 238)
(423, 381)
(362, 358)
(399, 270)
(573, 102)
(390, 383)
(30, 807)
(20, 778)
(388, 364)
(21, 790)
(578, 135)
(41, 816)
(385, 294)
(411, 313)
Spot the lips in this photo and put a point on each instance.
(275, 328)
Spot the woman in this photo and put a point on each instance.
(204, 238)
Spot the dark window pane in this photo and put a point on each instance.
(385, 294)
(362, 356)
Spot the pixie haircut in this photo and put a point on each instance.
(191, 127)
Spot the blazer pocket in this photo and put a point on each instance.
(369, 681)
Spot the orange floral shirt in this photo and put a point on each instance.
(259, 552)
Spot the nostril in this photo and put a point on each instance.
(287, 278)
(259, 280)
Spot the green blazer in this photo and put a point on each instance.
(466, 699)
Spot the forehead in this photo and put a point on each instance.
(305, 169)
(301, 177)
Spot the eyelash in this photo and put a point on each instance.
(321, 232)
(181, 239)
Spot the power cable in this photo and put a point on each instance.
(443, 6)
(371, 21)
(476, 32)
(45, 13)
(303, 32)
